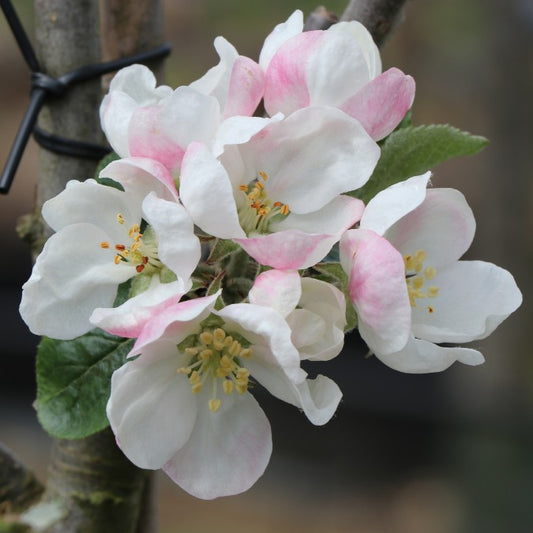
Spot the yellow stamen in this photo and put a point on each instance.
(214, 404)
(104, 244)
(120, 218)
(263, 175)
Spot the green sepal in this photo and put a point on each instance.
(221, 249)
(74, 382)
(411, 151)
(333, 273)
(212, 321)
(108, 182)
(109, 158)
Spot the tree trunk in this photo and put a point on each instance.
(92, 487)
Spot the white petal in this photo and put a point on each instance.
(393, 203)
(268, 333)
(281, 33)
(206, 192)
(152, 410)
(178, 247)
(421, 357)
(279, 289)
(227, 452)
(76, 204)
(366, 44)
(443, 226)
(337, 69)
(334, 218)
(474, 298)
(72, 276)
(216, 80)
(238, 130)
(311, 157)
(326, 301)
(318, 398)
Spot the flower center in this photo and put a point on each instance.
(215, 355)
(258, 209)
(140, 252)
(416, 276)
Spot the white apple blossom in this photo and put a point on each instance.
(142, 120)
(184, 404)
(279, 195)
(408, 286)
(99, 244)
(315, 310)
(340, 67)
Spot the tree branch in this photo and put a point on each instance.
(320, 19)
(379, 16)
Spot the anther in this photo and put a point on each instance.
(104, 244)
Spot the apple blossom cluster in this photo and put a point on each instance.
(209, 238)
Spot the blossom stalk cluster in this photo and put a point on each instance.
(216, 221)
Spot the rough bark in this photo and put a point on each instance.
(379, 16)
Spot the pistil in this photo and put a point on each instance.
(140, 253)
(258, 209)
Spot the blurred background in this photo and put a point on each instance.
(443, 453)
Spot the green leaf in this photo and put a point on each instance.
(74, 382)
(411, 151)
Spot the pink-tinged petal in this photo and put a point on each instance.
(318, 398)
(269, 335)
(381, 104)
(279, 289)
(286, 87)
(334, 218)
(142, 175)
(377, 289)
(474, 298)
(174, 323)
(422, 357)
(443, 226)
(129, 319)
(327, 302)
(311, 157)
(216, 80)
(281, 33)
(72, 276)
(246, 88)
(163, 132)
(289, 249)
(149, 140)
(178, 247)
(393, 203)
(365, 43)
(131, 88)
(151, 410)
(76, 204)
(206, 192)
(336, 69)
(227, 452)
